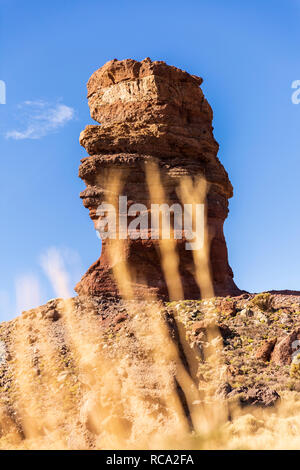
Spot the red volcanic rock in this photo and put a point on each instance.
(256, 395)
(284, 349)
(228, 307)
(152, 112)
(264, 351)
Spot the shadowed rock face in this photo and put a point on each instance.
(150, 111)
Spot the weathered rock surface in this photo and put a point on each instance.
(150, 111)
(284, 349)
(257, 396)
(249, 396)
(265, 350)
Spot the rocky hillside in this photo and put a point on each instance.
(90, 373)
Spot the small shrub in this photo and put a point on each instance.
(263, 301)
(291, 385)
(295, 367)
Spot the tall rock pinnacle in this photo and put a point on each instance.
(152, 112)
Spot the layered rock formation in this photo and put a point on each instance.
(106, 373)
(152, 112)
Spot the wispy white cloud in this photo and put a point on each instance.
(53, 264)
(28, 292)
(63, 268)
(41, 118)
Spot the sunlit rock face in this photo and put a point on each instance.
(152, 112)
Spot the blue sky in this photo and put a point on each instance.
(248, 54)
